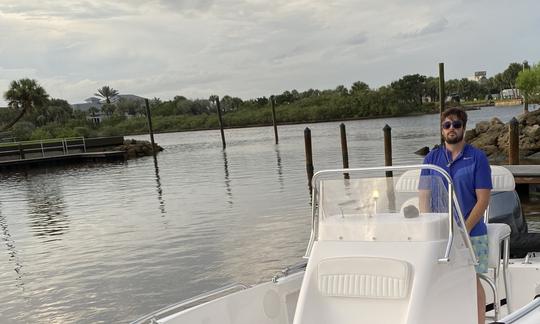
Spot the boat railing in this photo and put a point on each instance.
(452, 201)
(300, 266)
(514, 317)
(189, 303)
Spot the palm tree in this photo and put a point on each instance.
(26, 95)
(106, 93)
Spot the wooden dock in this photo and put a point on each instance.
(63, 159)
(59, 151)
(525, 174)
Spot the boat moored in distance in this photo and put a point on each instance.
(374, 257)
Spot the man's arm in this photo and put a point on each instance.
(482, 201)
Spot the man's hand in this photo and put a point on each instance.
(482, 201)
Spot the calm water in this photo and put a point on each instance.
(111, 242)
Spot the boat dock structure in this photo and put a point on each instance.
(525, 174)
(59, 151)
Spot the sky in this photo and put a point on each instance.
(255, 48)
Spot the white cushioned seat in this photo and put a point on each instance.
(364, 277)
(497, 232)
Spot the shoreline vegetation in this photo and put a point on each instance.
(32, 115)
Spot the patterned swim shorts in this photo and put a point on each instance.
(480, 246)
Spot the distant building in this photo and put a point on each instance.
(479, 76)
(88, 103)
(99, 102)
(128, 97)
(510, 94)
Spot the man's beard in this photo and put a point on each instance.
(454, 140)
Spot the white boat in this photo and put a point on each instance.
(374, 258)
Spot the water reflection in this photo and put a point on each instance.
(11, 249)
(227, 179)
(46, 204)
(158, 187)
(279, 167)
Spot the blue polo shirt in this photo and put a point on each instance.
(469, 171)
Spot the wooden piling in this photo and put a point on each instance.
(344, 149)
(150, 129)
(442, 97)
(21, 152)
(513, 142)
(390, 194)
(274, 122)
(218, 105)
(387, 130)
(309, 156)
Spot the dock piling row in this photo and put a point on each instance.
(513, 142)
(344, 149)
(309, 156)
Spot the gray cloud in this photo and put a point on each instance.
(250, 48)
(69, 10)
(357, 39)
(433, 27)
(182, 5)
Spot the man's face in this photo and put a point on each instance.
(453, 130)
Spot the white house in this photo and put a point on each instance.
(88, 103)
(99, 102)
(510, 94)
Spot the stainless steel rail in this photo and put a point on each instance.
(300, 266)
(189, 303)
(452, 200)
(520, 313)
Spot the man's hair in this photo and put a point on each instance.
(454, 111)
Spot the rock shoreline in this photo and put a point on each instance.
(137, 148)
(493, 136)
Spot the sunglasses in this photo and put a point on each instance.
(457, 124)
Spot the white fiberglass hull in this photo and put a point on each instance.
(371, 261)
(275, 302)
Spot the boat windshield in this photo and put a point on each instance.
(406, 207)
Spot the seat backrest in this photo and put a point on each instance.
(502, 179)
(408, 181)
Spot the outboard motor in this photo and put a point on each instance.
(505, 207)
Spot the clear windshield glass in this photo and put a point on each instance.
(406, 207)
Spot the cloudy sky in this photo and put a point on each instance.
(253, 48)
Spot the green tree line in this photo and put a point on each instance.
(33, 115)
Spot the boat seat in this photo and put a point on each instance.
(342, 287)
(408, 181)
(499, 234)
(364, 277)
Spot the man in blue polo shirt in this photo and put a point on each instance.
(470, 172)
